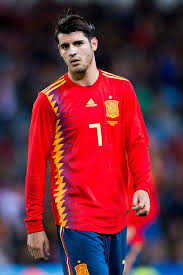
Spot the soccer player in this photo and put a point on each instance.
(88, 124)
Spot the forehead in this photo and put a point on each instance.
(71, 37)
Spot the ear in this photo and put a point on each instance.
(94, 43)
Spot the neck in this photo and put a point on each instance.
(86, 78)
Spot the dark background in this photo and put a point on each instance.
(142, 41)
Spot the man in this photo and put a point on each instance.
(86, 123)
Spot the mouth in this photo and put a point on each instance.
(74, 61)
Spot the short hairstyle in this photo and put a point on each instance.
(73, 23)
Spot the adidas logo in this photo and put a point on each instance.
(91, 103)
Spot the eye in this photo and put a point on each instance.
(64, 46)
(78, 43)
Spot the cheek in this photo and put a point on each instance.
(88, 54)
(64, 56)
(61, 54)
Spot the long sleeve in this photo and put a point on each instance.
(42, 130)
(137, 142)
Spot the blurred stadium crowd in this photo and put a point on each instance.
(143, 43)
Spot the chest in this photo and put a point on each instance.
(85, 107)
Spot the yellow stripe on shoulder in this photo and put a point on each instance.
(54, 87)
(53, 84)
(114, 76)
(107, 73)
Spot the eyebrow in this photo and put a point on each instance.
(80, 41)
(75, 42)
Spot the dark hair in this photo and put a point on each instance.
(73, 23)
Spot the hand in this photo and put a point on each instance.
(38, 245)
(141, 203)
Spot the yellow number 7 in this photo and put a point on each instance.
(99, 133)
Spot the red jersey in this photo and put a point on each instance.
(85, 133)
(141, 223)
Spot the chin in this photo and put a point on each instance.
(78, 70)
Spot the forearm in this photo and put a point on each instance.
(139, 164)
(35, 191)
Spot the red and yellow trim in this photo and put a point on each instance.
(49, 89)
(60, 184)
(109, 75)
(60, 189)
(67, 259)
(60, 80)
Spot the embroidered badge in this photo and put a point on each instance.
(81, 269)
(112, 109)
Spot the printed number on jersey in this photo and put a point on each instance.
(99, 133)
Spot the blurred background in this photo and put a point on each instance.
(141, 40)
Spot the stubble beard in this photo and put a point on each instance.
(82, 69)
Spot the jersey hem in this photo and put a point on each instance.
(100, 230)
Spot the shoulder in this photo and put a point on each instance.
(113, 77)
(52, 92)
(120, 82)
(42, 104)
(53, 87)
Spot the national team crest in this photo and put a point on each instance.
(112, 109)
(81, 269)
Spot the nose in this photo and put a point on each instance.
(72, 50)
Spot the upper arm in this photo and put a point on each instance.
(134, 122)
